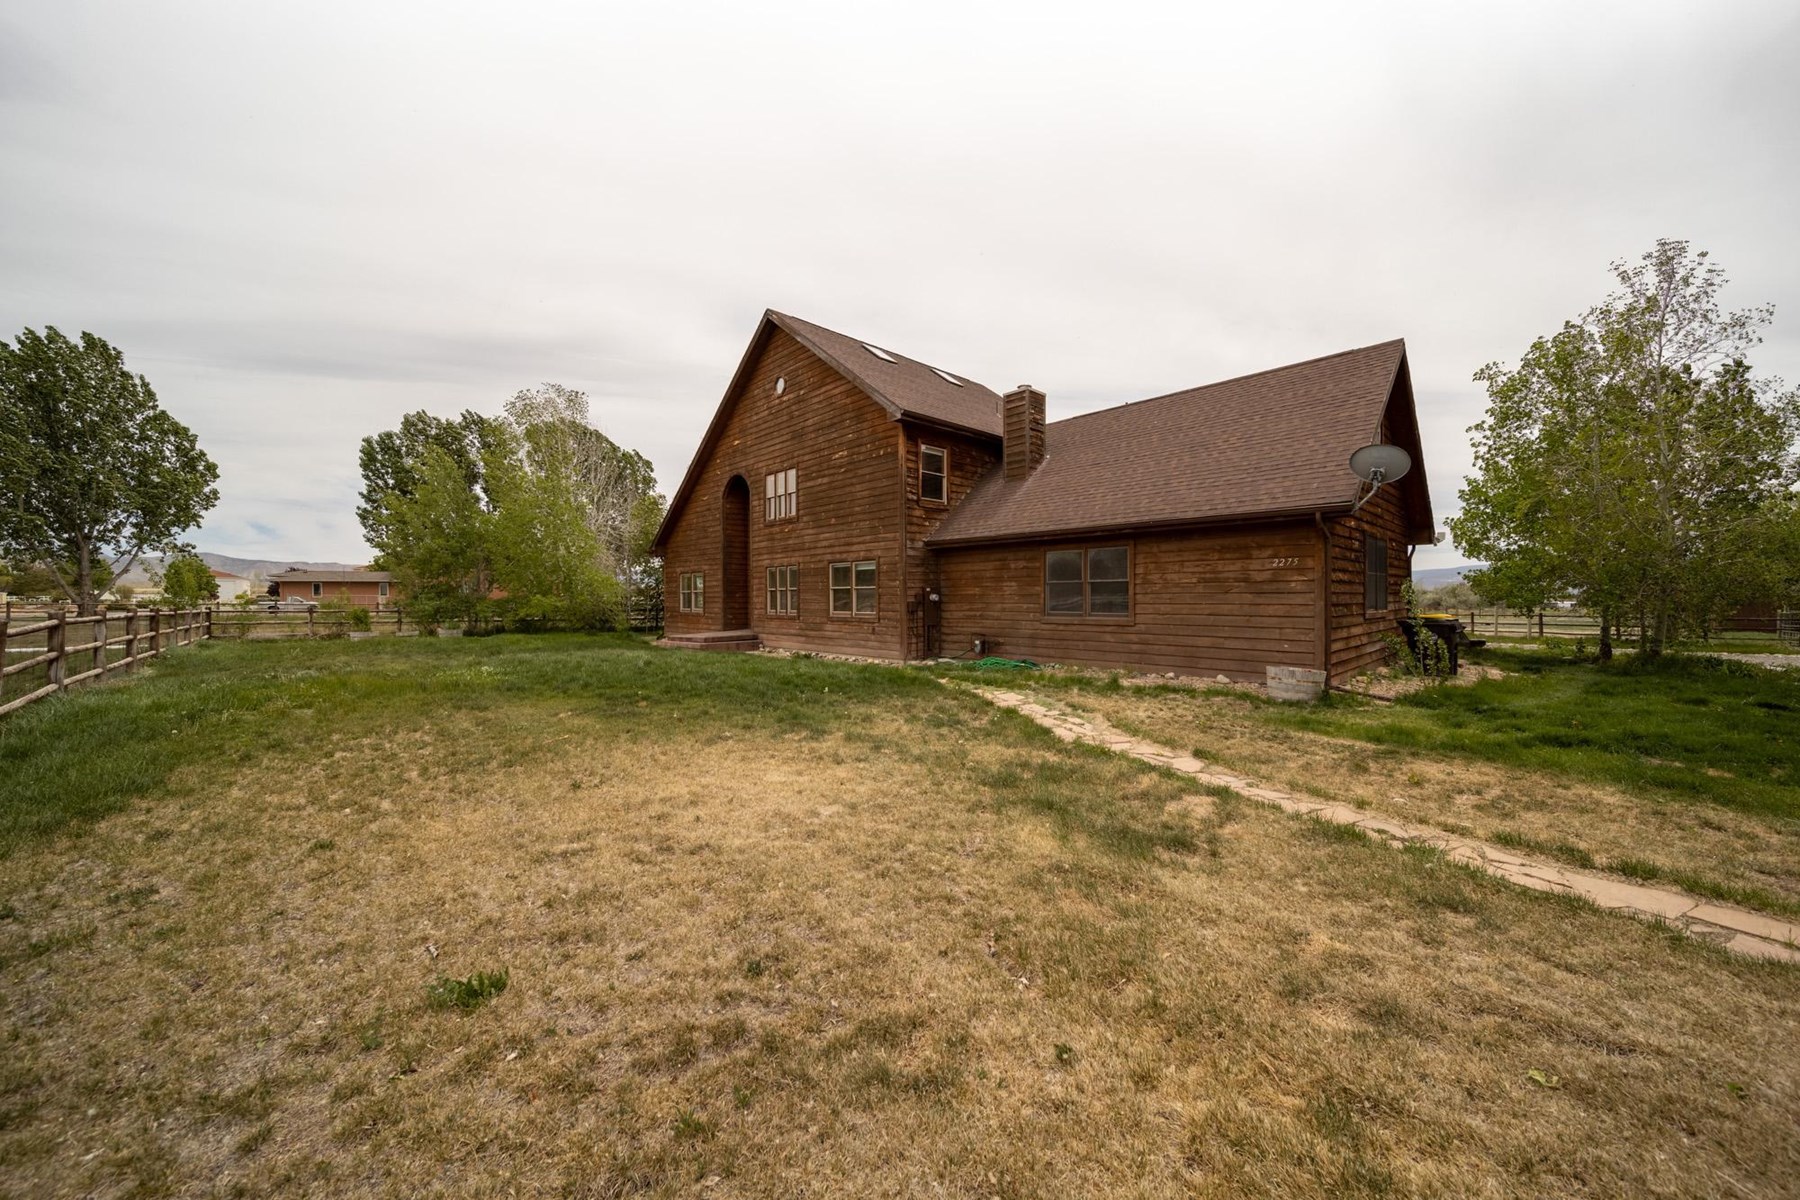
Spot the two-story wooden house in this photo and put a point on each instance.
(847, 499)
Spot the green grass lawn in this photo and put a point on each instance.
(223, 704)
(1681, 727)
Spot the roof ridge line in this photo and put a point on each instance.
(1200, 387)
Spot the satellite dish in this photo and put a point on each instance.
(1376, 465)
(1380, 464)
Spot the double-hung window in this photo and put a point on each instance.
(1375, 574)
(783, 585)
(934, 475)
(693, 592)
(853, 589)
(318, 589)
(1095, 582)
(780, 493)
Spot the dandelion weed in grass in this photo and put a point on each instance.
(466, 994)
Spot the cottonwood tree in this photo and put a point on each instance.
(610, 481)
(187, 580)
(393, 462)
(93, 472)
(1633, 460)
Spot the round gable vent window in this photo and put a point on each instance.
(781, 385)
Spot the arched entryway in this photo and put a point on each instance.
(735, 535)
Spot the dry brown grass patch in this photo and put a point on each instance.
(929, 953)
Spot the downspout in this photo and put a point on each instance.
(1324, 619)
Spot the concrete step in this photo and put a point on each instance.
(716, 639)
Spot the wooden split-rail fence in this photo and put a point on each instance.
(71, 650)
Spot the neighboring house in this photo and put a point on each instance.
(848, 499)
(369, 589)
(231, 586)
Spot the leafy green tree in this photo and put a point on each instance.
(535, 515)
(436, 541)
(393, 463)
(187, 581)
(38, 581)
(1632, 460)
(545, 552)
(93, 472)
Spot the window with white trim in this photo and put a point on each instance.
(853, 589)
(381, 589)
(934, 475)
(1095, 582)
(780, 493)
(693, 592)
(318, 589)
(783, 586)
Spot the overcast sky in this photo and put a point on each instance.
(302, 220)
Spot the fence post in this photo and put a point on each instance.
(155, 632)
(131, 639)
(56, 642)
(1540, 624)
(209, 616)
(4, 622)
(99, 642)
(309, 622)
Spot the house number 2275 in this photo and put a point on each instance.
(1284, 562)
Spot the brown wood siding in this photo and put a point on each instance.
(1356, 633)
(1202, 603)
(970, 459)
(846, 451)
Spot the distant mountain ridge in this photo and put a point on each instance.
(1437, 577)
(249, 568)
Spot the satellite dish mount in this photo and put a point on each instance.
(1376, 465)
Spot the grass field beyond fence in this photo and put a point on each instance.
(573, 916)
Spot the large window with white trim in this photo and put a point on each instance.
(780, 494)
(853, 589)
(1091, 582)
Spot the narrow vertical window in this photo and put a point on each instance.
(782, 585)
(780, 492)
(934, 475)
(318, 589)
(1375, 574)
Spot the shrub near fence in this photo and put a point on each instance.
(61, 650)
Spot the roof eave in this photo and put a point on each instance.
(1262, 517)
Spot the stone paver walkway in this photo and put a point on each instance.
(1737, 929)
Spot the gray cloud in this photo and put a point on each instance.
(301, 224)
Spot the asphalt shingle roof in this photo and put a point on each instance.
(1278, 441)
(907, 387)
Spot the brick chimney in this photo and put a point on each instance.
(1022, 425)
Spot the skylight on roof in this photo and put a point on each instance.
(878, 352)
(947, 377)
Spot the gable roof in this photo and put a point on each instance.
(905, 387)
(1276, 442)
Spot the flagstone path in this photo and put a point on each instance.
(1738, 929)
